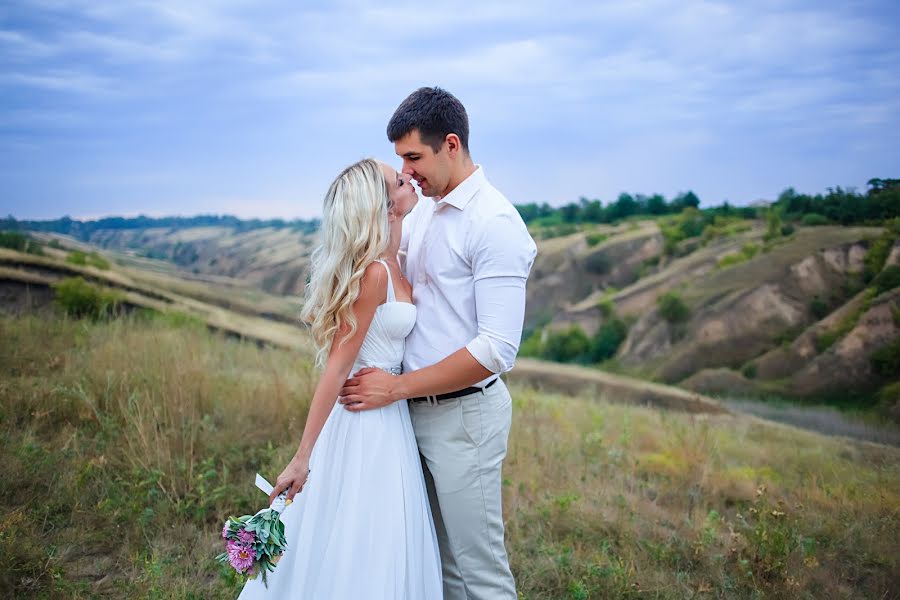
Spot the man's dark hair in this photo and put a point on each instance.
(435, 113)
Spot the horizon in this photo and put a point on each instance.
(138, 215)
(251, 108)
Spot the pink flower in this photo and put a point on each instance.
(240, 556)
(246, 537)
(225, 531)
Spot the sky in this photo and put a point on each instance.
(251, 108)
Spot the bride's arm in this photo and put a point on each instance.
(373, 290)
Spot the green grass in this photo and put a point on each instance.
(130, 440)
(827, 339)
(747, 252)
(15, 240)
(91, 259)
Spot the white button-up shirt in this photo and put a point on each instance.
(467, 256)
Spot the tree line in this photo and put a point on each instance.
(83, 230)
(880, 202)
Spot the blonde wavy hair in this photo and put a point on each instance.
(354, 233)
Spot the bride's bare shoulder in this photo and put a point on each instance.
(373, 284)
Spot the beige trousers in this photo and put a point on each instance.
(463, 443)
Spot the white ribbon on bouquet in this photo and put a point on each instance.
(278, 505)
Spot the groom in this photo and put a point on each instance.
(468, 255)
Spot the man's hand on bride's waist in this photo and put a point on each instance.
(369, 388)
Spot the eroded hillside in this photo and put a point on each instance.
(792, 315)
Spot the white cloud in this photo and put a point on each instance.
(66, 81)
(651, 89)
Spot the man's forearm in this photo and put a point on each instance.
(458, 371)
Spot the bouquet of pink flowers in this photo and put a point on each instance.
(254, 543)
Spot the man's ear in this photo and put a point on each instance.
(453, 145)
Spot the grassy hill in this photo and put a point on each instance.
(27, 284)
(129, 442)
(744, 301)
(230, 306)
(753, 300)
(273, 259)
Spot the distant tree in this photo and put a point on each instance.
(880, 185)
(689, 199)
(570, 213)
(656, 205)
(624, 206)
(672, 308)
(592, 211)
(528, 212)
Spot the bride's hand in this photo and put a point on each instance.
(292, 479)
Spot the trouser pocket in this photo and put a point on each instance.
(484, 415)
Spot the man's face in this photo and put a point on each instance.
(400, 190)
(429, 169)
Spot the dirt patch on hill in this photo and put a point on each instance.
(846, 365)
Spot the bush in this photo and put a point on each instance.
(595, 238)
(672, 308)
(608, 338)
(80, 299)
(19, 242)
(877, 256)
(606, 307)
(888, 279)
(567, 345)
(815, 219)
(690, 223)
(773, 225)
(531, 345)
(819, 308)
(886, 360)
(749, 371)
(13, 240)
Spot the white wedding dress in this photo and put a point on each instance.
(362, 527)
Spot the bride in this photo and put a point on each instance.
(362, 528)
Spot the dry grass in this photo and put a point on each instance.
(125, 444)
(611, 501)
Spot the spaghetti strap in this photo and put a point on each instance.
(391, 296)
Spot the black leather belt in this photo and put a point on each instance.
(452, 395)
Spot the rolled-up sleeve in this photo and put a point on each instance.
(502, 255)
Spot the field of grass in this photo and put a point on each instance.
(125, 444)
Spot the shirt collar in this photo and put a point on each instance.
(466, 190)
